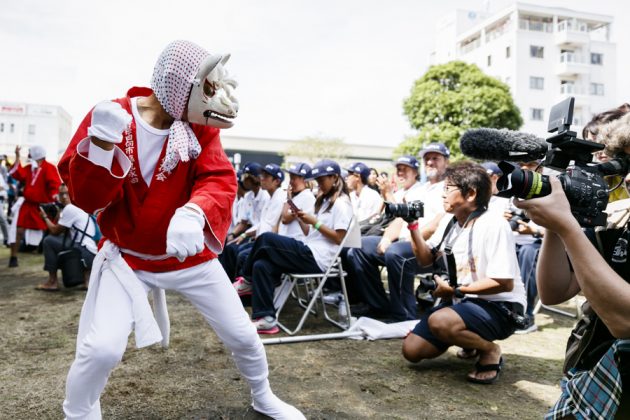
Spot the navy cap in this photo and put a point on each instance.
(238, 177)
(435, 148)
(362, 169)
(299, 169)
(325, 167)
(274, 170)
(408, 161)
(252, 168)
(492, 168)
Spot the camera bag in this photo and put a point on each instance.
(71, 261)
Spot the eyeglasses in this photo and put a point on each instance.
(450, 188)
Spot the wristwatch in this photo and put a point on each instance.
(458, 293)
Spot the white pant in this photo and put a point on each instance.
(206, 286)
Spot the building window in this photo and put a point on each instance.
(537, 114)
(507, 52)
(489, 60)
(597, 89)
(536, 83)
(31, 129)
(1, 127)
(536, 51)
(12, 128)
(597, 58)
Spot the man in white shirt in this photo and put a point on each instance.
(366, 202)
(74, 228)
(393, 250)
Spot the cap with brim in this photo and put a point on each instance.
(299, 169)
(325, 167)
(274, 170)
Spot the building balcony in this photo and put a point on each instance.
(579, 92)
(571, 64)
(569, 32)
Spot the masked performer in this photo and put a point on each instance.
(154, 162)
(41, 182)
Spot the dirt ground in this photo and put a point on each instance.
(196, 378)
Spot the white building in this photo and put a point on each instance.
(30, 124)
(544, 54)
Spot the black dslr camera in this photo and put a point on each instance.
(52, 210)
(410, 212)
(583, 182)
(517, 215)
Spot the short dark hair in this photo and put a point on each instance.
(469, 176)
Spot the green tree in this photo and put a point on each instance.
(451, 98)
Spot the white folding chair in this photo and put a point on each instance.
(308, 288)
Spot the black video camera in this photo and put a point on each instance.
(410, 212)
(583, 182)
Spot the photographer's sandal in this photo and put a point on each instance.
(486, 368)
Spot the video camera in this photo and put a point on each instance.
(410, 212)
(583, 182)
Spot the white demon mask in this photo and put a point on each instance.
(212, 101)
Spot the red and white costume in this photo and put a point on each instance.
(41, 184)
(136, 221)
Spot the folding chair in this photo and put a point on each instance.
(577, 301)
(308, 288)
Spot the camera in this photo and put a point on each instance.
(583, 182)
(51, 209)
(517, 215)
(411, 211)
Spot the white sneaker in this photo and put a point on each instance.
(530, 327)
(274, 407)
(332, 298)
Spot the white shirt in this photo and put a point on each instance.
(493, 252)
(304, 200)
(338, 217)
(253, 206)
(431, 196)
(149, 141)
(75, 220)
(272, 211)
(366, 204)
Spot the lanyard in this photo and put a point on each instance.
(449, 241)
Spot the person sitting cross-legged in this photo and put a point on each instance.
(484, 296)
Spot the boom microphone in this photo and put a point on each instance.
(493, 144)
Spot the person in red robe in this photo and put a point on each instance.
(41, 182)
(154, 163)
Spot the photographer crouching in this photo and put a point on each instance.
(595, 349)
(477, 277)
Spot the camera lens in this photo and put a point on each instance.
(523, 184)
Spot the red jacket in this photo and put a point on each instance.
(135, 216)
(40, 187)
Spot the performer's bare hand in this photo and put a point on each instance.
(17, 151)
(109, 122)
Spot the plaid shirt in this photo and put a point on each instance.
(595, 393)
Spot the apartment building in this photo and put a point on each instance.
(29, 124)
(544, 54)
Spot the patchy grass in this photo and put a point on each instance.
(196, 378)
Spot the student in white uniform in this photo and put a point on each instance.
(365, 201)
(274, 254)
(303, 199)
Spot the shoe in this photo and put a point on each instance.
(274, 407)
(13, 262)
(333, 298)
(267, 325)
(487, 368)
(528, 328)
(242, 286)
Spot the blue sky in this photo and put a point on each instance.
(305, 68)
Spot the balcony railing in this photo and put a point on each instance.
(571, 89)
(572, 58)
(572, 26)
(535, 25)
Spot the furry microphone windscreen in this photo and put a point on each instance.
(493, 144)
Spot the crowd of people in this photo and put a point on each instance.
(152, 166)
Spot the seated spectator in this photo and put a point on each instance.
(393, 249)
(365, 201)
(274, 254)
(74, 229)
(303, 199)
(372, 180)
(484, 295)
(270, 181)
(237, 208)
(254, 201)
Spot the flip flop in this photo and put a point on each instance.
(466, 354)
(46, 289)
(487, 368)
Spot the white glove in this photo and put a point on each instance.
(184, 237)
(109, 121)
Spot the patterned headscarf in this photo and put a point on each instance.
(171, 82)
